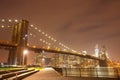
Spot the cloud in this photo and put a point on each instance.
(65, 27)
(110, 36)
(92, 9)
(89, 28)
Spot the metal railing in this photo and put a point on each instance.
(92, 72)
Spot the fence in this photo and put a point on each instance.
(92, 72)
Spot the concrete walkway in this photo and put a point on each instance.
(51, 74)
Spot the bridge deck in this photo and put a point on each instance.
(51, 74)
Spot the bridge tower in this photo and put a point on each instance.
(19, 37)
(102, 55)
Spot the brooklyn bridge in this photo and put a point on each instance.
(64, 57)
(19, 43)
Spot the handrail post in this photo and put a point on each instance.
(96, 72)
(80, 71)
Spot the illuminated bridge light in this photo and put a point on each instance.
(46, 42)
(49, 37)
(64, 49)
(9, 20)
(48, 47)
(40, 39)
(58, 49)
(28, 44)
(31, 25)
(62, 45)
(43, 46)
(46, 35)
(8, 26)
(39, 30)
(43, 32)
(35, 27)
(30, 34)
(26, 35)
(34, 46)
(49, 43)
(72, 50)
(16, 20)
(55, 40)
(43, 41)
(3, 20)
(2, 26)
(59, 43)
(52, 39)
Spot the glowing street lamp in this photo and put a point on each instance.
(24, 53)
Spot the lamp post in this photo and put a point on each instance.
(24, 53)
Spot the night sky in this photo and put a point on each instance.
(79, 24)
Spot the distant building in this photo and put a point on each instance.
(96, 51)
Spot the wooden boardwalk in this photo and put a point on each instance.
(51, 74)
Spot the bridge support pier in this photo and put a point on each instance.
(12, 59)
(56, 60)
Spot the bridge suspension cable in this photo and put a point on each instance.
(48, 40)
(37, 34)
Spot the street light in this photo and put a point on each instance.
(24, 53)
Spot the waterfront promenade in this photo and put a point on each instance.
(51, 74)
